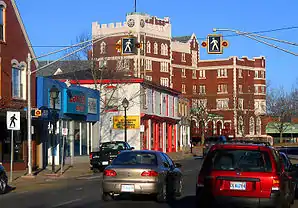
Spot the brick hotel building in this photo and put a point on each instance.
(233, 90)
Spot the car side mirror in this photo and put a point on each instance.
(178, 165)
(132, 148)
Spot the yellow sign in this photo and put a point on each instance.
(37, 113)
(133, 122)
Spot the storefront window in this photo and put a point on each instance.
(84, 137)
(77, 138)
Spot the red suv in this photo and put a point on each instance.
(246, 175)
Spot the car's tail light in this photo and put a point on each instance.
(119, 152)
(275, 184)
(200, 182)
(90, 156)
(110, 173)
(150, 173)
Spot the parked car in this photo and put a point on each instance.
(3, 180)
(107, 152)
(142, 172)
(244, 174)
(209, 141)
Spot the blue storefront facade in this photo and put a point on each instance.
(76, 110)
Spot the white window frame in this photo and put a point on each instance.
(183, 88)
(222, 104)
(183, 72)
(194, 73)
(183, 58)
(202, 74)
(155, 48)
(148, 47)
(202, 89)
(164, 81)
(149, 78)
(194, 89)
(103, 46)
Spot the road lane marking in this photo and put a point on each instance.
(79, 189)
(67, 202)
(89, 177)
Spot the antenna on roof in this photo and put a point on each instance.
(135, 6)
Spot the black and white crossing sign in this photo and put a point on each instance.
(214, 44)
(128, 45)
(13, 120)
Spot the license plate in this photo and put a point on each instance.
(238, 185)
(95, 156)
(127, 188)
(105, 163)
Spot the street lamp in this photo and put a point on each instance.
(54, 94)
(125, 104)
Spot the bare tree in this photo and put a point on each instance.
(279, 107)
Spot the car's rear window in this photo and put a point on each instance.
(242, 160)
(135, 158)
(113, 145)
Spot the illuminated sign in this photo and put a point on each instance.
(75, 102)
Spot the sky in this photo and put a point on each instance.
(58, 23)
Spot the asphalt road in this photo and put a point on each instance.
(85, 192)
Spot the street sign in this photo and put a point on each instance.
(128, 45)
(13, 120)
(64, 131)
(214, 44)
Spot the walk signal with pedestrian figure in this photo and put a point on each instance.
(128, 45)
(12, 121)
(215, 44)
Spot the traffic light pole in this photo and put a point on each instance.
(30, 73)
(253, 37)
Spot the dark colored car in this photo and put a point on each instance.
(246, 175)
(107, 152)
(3, 180)
(142, 172)
(212, 140)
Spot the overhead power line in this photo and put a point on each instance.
(232, 35)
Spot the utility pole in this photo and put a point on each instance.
(135, 5)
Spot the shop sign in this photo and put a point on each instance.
(92, 105)
(133, 122)
(74, 102)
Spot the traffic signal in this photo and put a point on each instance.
(37, 113)
(138, 45)
(119, 46)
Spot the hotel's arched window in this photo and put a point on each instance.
(2, 20)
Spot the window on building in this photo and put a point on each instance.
(148, 47)
(162, 49)
(183, 88)
(240, 75)
(144, 98)
(251, 126)
(149, 78)
(202, 103)
(256, 74)
(202, 89)
(17, 86)
(164, 81)
(222, 73)
(262, 75)
(222, 104)
(183, 59)
(240, 126)
(222, 88)
(258, 126)
(2, 23)
(194, 73)
(166, 50)
(183, 74)
(155, 48)
(148, 65)
(164, 67)
(256, 89)
(263, 89)
(202, 73)
(194, 89)
(240, 103)
(194, 58)
(103, 48)
(240, 89)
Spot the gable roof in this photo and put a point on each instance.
(64, 66)
(16, 10)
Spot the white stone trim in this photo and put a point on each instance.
(2, 3)
(235, 92)
(158, 36)
(231, 67)
(185, 67)
(24, 31)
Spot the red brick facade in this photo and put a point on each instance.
(14, 50)
(233, 88)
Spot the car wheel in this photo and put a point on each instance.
(3, 185)
(162, 196)
(107, 196)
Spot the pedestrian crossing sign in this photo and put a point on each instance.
(214, 44)
(13, 120)
(128, 45)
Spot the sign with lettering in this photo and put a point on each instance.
(132, 122)
(75, 102)
(92, 105)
